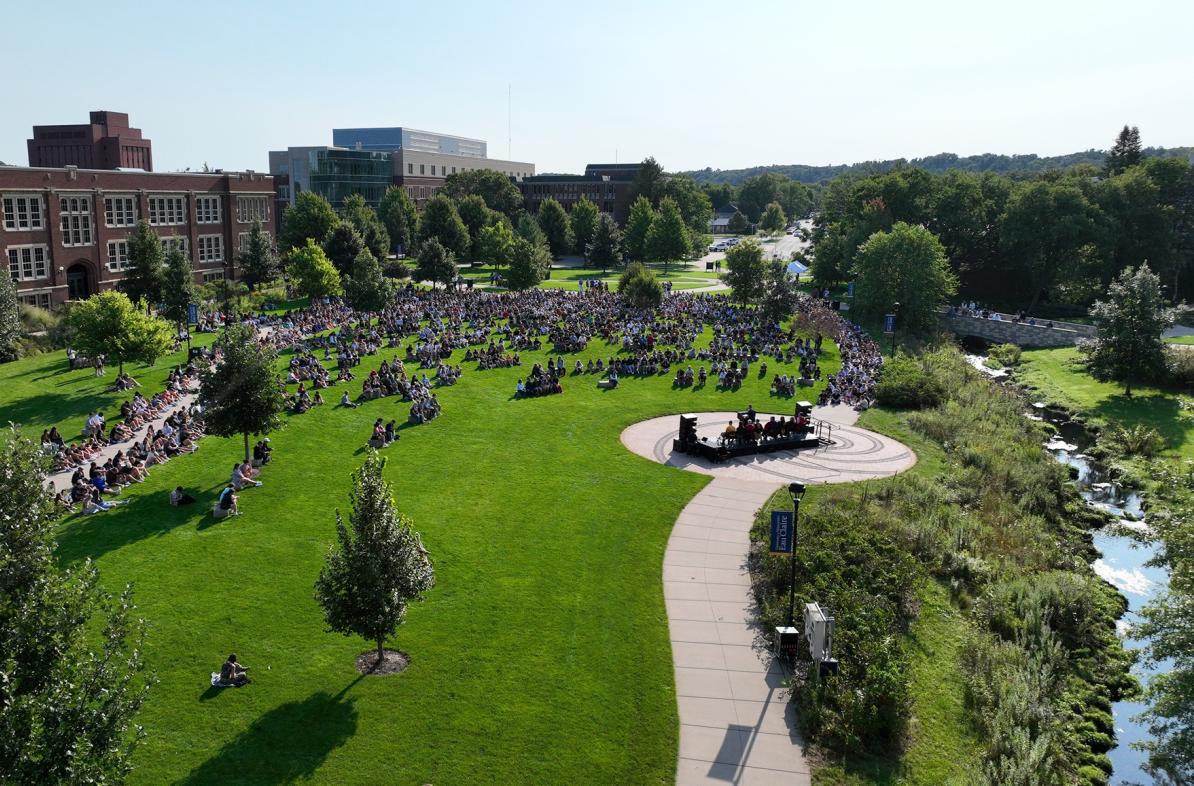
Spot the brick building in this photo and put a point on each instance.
(107, 142)
(608, 186)
(64, 230)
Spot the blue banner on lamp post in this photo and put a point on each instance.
(192, 313)
(782, 530)
(889, 324)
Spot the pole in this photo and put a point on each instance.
(893, 341)
(792, 582)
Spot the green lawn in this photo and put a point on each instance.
(569, 278)
(542, 654)
(1180, 340)
(1058, 376)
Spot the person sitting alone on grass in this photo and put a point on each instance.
(346, 401)
(179, 497)
(227, 502)
(240, 480)
(232, 674)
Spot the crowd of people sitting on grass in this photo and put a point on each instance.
(383, 434)
(542, 381)
(493, 356)
(854, 383)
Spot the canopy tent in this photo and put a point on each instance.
(796, 268)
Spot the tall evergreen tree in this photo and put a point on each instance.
(584, 224)
(311, 216)
(178, 288)
(1126, 152)
(739, 224)
(258, 261)
(240, 394)
(605, 250)
(367, 224)
(667, 240)
(1131, 320)
(556, 228)
(529, 230)
(441, 220)
(649, 182)
(10, 319)
(638, 225)
(72, 669)
(343, 246)
(377, 566)
(400, 217)
(143, 279)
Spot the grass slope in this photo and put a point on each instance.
(540, 657)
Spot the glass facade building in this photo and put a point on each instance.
(335, 174)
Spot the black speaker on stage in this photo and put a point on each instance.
(687, 438)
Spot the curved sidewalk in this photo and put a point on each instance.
(736, 723)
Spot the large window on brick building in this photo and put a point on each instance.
(118, 255)
(207, 209)
(27, 263)
(120, 211)
(252, 208)
(211, 248)
(171, 243)
(22, 212)
(39, 299)
(167, 210)
(75, 215)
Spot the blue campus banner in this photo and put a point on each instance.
(850, 289)
(889, 323)
(782, 531)
(193, 313)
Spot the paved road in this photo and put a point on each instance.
(773, 248)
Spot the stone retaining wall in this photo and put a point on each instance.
(1005, 331)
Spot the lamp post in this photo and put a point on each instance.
(895, 310)
(796, 491)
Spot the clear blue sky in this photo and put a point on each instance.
(725, 84)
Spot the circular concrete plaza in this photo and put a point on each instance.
(854, 453)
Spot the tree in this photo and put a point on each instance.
(720, 194)
(640, 287)
(436, 263)
(605, 250)
(528, 229)
(178, 287)
(495, 244)
(10, 320)
(258, 262)
(497, 189)
(745, 271)
(377, 566)
(554, 223)
(528, 264)
(667, 240)
(367, 289)
(584, 224)
(759, 191)
(649, 181)
(343, 246)
(638, 225)
(72, 669)
(109, 324)
(907, 266)
(401, 219)
(475, 216)
(364, 219)
(441, 221)
(773, 220)
(315, 274)
(796, 198)
(1126, 152)
(310, 217)
(694, 204)
(1131, 320)
(779, 291)
(143, 279)
(240, 394)
(739, 224)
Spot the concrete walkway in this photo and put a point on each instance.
(736, 723)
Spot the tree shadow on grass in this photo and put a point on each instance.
(285, 745)
(1155, 410)
(146, 516)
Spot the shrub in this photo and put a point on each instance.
(396, 268)
(905, 383)
(1179, 368)
(1137, 440)
(1002, 356)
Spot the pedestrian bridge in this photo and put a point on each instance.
(1005, 330)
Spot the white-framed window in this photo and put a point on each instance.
(75, 212)
(28, 263)
(118, 255)
(39, 299)
(207, 209)
(171, 243)
(167, 210)
(22, 212)
(217, 275)
(243, 240)
(252, 208)
(120, 211)
(211, 248)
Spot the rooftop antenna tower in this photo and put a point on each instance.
(509, 124)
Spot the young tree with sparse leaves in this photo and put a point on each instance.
(528, 264)
(109, 324)
(436, 263)
(72, 667)
(367, 288)
(258, 262)
(584, 224)
(240, 394)
(605, 250)
(1131, 320)
(377, 566)
(143, 277)
(312, 271)
(10, 319)
(556, 228)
